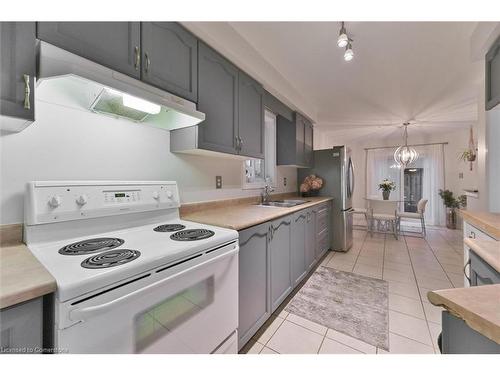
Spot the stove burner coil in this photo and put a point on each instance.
(91, 246)
(169, 228)
(192, 235)
(111, 258)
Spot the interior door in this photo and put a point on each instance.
(413, 179)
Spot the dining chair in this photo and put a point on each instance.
(422, 203)
(383, 211)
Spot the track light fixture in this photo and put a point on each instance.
(344, 41)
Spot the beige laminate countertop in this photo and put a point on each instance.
(22, 277)
(478, 306)
(486, 221)
(246, 215)
(489, 251)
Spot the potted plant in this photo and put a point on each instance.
(386, 186)
(451, 203)
(311, 185)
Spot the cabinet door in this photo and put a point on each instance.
(254, 302)
(218, 99)
(308, 144)
(310, 239)
(281, 279)
(170, 58)
(298, 246)
(21, 326)
(493, 75)
(300, 140)
(17, 70)
(112, 44)
(250, 117)
(322, 230)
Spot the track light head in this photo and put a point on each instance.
(349, 53)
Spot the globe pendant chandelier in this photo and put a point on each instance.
(405, 155)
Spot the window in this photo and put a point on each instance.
(256, 171)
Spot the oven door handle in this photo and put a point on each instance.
(87, 312)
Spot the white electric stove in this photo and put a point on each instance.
(131, 276)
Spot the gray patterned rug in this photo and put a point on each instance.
(346, 302)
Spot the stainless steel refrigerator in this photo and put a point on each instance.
(335, 167)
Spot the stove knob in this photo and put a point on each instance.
(82, 200)
(156, 195)
(55, 201)
(169, 194)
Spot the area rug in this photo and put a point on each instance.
(346, 302)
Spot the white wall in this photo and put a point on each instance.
(73, 144)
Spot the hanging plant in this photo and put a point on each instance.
(468, 156)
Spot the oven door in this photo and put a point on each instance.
(189, 308)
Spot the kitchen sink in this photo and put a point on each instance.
(283, 203)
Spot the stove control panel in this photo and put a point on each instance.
(53, 201)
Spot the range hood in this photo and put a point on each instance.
(74, 81)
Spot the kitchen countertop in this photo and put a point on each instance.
(478, 306)
(22, 277)
(245, 215)
(489, 251)
(486, 221)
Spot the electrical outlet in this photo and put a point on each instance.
(460, 175)
(218, 182)
(284, 181)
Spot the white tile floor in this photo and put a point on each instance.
(412, 266)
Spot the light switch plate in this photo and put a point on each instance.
(218, 182)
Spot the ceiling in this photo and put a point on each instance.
(420, 71)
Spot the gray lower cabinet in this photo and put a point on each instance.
(17, 75)
(298, 246)
(481, 273)
(310, 238)
(170, 58)
(254, 299)
(458, 338)
(493, 75)
(112, 44)
(21, 327)
(218, 99)
(281, 278)
(250, 117)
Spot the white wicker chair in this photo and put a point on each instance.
(384, 212)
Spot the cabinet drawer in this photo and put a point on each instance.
(481, 272)
(322, 219)
(472, 232)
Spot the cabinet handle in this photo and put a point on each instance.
(237, 139)
(137, 57)
(27, 92)
(148, 62)
(472, 235)
(465, 272)
(241, 143)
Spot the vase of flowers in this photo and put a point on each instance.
(451, 203)
(386, 186)
(311, 185)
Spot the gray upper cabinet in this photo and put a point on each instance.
(294, 146)
(493, 75)
(17, 75)
(112, 44)
(250, 117)
(277, 107)
(218, 99)
(170, 58)
(254, 301)
(281, 278)
(298, 246)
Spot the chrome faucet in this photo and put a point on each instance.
(265, 194)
